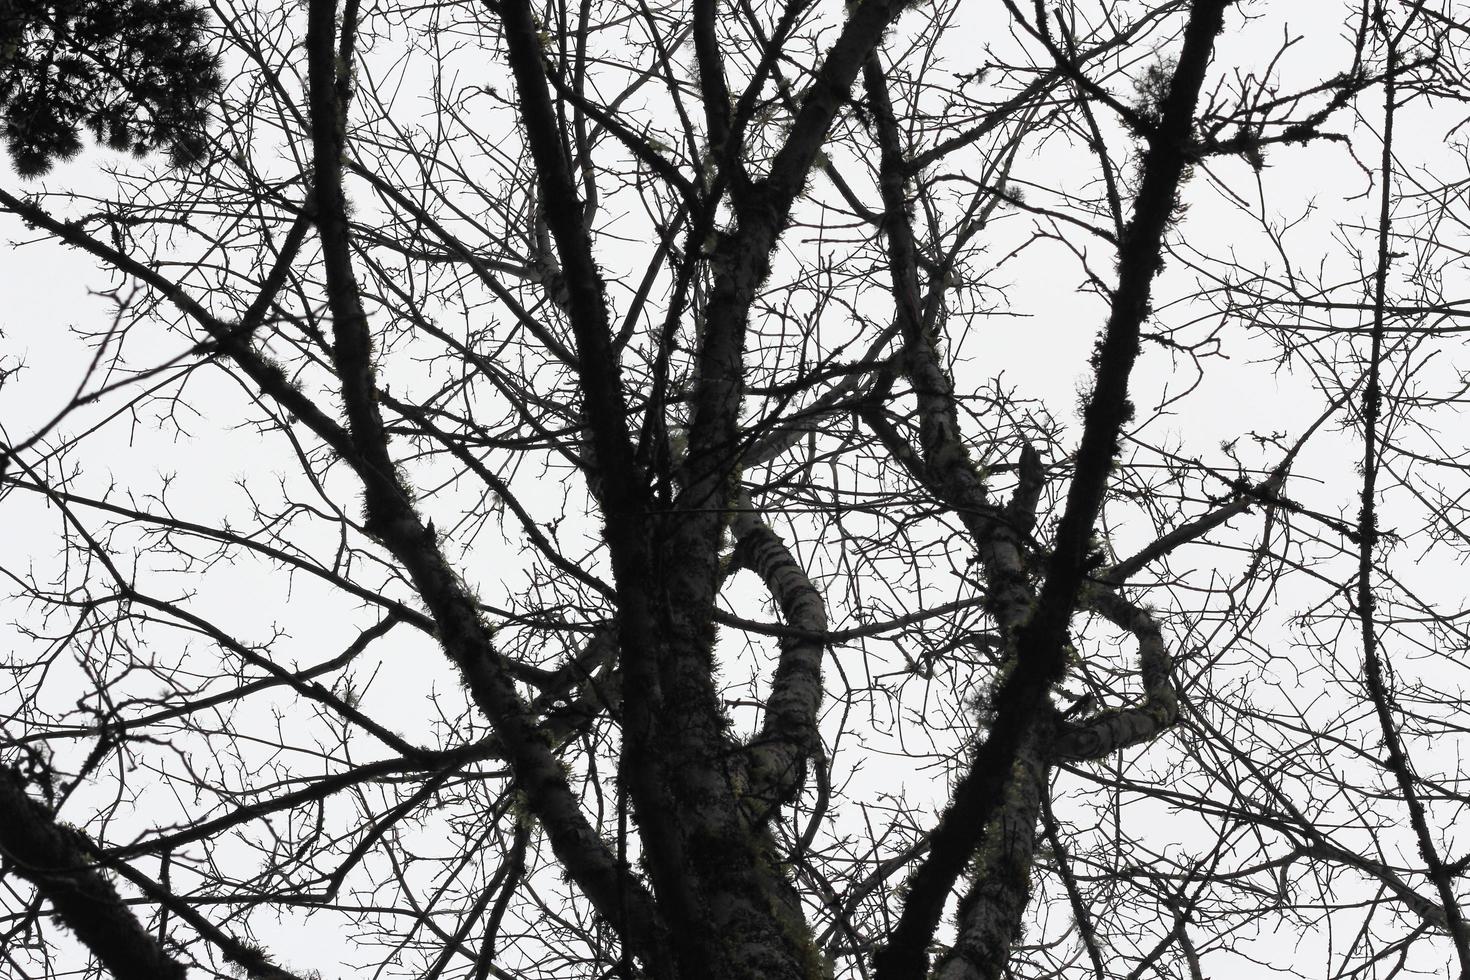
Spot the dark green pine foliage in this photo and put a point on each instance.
(138, 73)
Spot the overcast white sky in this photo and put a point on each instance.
(47, 294)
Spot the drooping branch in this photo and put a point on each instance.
(71, 872)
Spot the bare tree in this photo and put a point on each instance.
(583, 490)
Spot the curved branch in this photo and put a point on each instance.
(777, 756)
(1119, 728)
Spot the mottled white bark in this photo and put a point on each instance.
(1109, 731)
(777, 756)
(990, 914)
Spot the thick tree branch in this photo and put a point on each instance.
(605, 408)
(943, 464)
(61, 863)
(991, 911)
(777, 756)
(391, 516)
(1022, 698)
(1109, 731)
